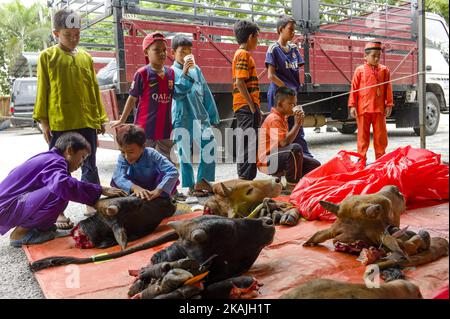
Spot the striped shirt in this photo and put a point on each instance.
(244, 67)
(154, 93)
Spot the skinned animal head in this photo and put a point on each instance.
(237, 198)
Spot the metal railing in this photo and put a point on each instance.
(368, 19)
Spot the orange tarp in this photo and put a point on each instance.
(281, 266)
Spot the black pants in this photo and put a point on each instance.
(291, 161)
(246, 154)
(89, 172)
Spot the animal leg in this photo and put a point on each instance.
(320, 237)
(392, 244)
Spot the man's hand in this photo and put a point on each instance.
(117, 123)
(187, 65)
(102, 129)
(113, 192)
(353, 112)
(145, 194)
(388, 111)
(46, 131)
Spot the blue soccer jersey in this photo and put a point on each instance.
(287, 68)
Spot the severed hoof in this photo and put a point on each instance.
(426, 239)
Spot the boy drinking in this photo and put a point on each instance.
(277, 153)
(194, 110)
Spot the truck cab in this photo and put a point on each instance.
(437, 59)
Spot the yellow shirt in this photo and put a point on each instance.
(68, 95)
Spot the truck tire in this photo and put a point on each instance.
(432, 115)
(348, 128)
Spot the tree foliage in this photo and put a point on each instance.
(438, 6)
(4, 78)
(22, 29)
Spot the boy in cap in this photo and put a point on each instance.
(153, 89)
(373, 105)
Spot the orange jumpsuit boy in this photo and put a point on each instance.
(371, 106)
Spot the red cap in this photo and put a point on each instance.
(150, 39)
(375, 45)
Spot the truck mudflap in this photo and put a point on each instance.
(407, 115)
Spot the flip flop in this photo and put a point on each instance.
(198, 193)
(64, 225)
(179, 197)
(33, 236)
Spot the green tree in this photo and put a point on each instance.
(438, 6)
(25, 29)
(4, 79)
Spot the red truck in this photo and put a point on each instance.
(331, 38)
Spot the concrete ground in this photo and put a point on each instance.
(17, 145)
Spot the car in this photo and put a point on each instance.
(23, 98)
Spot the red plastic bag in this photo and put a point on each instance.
(418, 173)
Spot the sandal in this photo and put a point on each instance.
(198, 192)
(33, 236)
(179, 196)
(64, 224)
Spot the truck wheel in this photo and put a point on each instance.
(432, 115)
(348, 128)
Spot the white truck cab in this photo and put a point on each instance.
(436, 57)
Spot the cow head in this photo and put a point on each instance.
(237, 198)
(213, 236)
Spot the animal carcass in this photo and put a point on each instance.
(373, 220)
(238, 198)
(201, 239)
(121, 219)
(206, 236)
(331, 289)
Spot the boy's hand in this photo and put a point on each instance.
(155, 193)
(353, 112)
(299, 119)
(298, 110)
(115, 124)
(112, 192)
(388, 111)
(102, 129)
(46, 131)
(187, 65)
(145, 194)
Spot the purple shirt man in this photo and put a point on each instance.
(36, 192)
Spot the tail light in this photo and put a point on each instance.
(11, 108)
